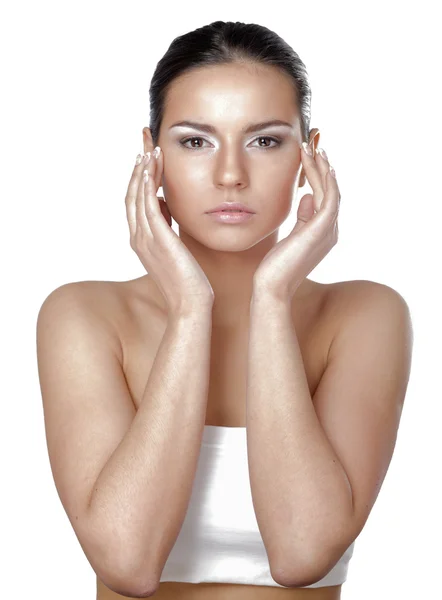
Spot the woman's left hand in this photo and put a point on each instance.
(316, 232)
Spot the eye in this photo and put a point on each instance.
(267, 137)
(261, 137)
(189, 139)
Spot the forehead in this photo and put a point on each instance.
(234, 92)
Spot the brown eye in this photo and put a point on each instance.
(200, 141)
(272, 139)
(189, 139)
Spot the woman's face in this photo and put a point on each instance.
(204, 168)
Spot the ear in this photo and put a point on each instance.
(147, 140)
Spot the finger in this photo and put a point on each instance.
(153, 215)
(144, 224)
(322, 163)
(151, 202)
(131, 194)
(305, 212)
(329, 180)
(314, 177)
(330, 203)
(334, 193)
(330, 206)
(305, 209)
(159, 169)
(159, 174)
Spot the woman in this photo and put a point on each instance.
(220, 427)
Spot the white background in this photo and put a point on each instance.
(74, 102)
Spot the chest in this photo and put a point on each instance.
(226, 401)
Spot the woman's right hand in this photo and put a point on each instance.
(175, 270)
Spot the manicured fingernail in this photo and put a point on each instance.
(145, 176)
(138, 159)
(307, 148)
(156, 152)
(147, 158)
(323, 153)
(332, 171)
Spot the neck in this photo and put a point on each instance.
(230, 274)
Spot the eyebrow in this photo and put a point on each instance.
(247, 129)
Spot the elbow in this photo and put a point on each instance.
(289, 579)
(129, 585)
(126, 577)
(308, 572)
(302, 572)
(132, 593)
(120, 568)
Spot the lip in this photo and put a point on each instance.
(231, 206)
(231, 217)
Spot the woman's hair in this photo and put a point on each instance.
(225, 43)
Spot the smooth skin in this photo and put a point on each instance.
(216, 264)
(133, 422)
(283, 268)
(263, 169)
(176, 272)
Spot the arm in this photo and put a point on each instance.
(301, 493)
(314, 490)
(145, 486)
(124, 477)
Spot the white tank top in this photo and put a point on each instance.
(219, 540)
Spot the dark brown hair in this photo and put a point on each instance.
(223, 43)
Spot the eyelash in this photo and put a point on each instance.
(266, 137)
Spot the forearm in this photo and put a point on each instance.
(141, 496)
(301, 493)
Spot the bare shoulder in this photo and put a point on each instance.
(342, 295)
(101, 301)
(347, 301)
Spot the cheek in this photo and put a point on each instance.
(287, 185)
(181, 178)
(280, 172)
(181, 192)
(283, 194)
(280, 184)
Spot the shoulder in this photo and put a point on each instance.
(362, 303)
(100, 302)
(344, 296)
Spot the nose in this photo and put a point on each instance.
(230, 170)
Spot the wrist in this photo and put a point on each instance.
(263, 298)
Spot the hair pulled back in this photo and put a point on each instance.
(224, 43)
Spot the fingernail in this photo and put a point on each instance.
(332, 171)
(147, 158)
(307, 148)
(138, 159)
(156, 152)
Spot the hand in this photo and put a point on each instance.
(175, 270)
(289, 262)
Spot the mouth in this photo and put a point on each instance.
(231, 210)
(231, 207)
(230, 216)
